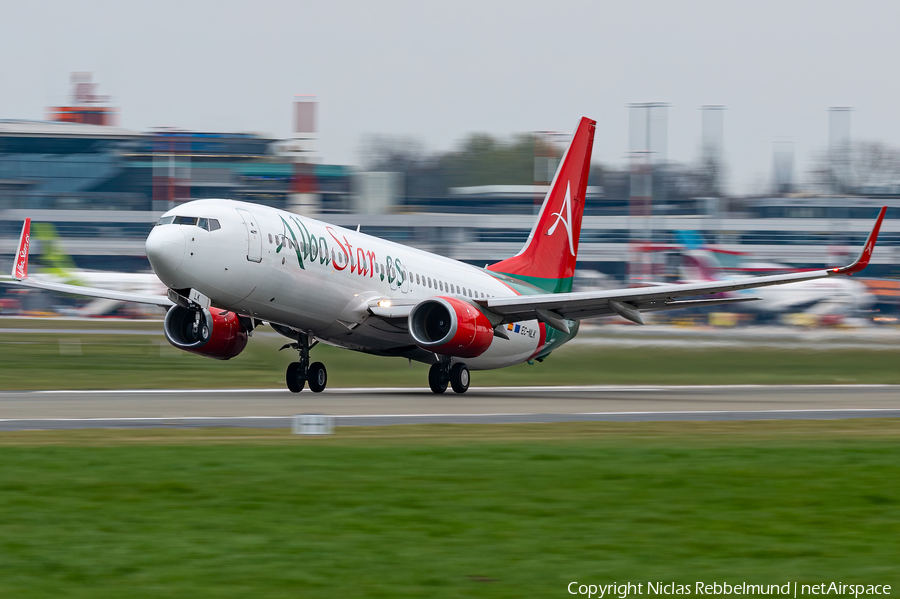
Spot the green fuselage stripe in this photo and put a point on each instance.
(563, 285)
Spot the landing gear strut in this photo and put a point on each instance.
(298, 373)
(442, 373)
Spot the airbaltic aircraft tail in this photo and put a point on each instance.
(548, 258)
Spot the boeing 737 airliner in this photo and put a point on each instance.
(232, 266)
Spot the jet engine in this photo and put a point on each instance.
(212, 332)
(451, 327)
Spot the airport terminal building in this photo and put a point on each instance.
(102, 187)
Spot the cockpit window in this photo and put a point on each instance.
(210, 224)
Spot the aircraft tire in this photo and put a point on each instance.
(436, 379)
(292, 377)
(459, 377)
(317, 377)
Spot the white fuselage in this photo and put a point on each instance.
(296, 271)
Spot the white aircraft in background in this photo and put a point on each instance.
(231, 266)
(58, 267)
(833, 296)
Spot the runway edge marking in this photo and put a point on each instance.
(479, 389)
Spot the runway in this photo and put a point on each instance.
(274, 408)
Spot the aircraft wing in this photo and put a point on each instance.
(20, 278)
(121, 296)
(555, 308)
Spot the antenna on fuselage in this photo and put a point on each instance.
(357, 227)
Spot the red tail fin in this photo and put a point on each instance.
(548, 258)
(698, 265)
(20, 266)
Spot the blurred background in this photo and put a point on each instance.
(733, 139)
(442, 129)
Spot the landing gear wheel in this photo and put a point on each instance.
(317, 377)
(299, 372)
(293, 378)
(459, 377)
(437, 380)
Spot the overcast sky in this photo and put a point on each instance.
(437, 71)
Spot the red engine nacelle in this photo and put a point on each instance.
(450, 326)
(215, 334)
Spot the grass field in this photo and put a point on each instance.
(102, 361)
(447, 511)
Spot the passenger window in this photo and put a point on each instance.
(270, 238)
(417, 279)
(441, 285)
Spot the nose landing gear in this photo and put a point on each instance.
(442, 373)
(299, 373)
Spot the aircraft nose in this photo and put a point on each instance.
(165, 250)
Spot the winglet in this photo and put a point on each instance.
(866, 254)
(20, 267)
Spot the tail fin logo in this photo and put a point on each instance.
(20, 266)
(567, 220)
(21, 263)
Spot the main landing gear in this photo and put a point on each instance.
(442, 373)
(302, 372)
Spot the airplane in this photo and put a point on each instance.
(231, 266)
(58, 267)
(831, 296)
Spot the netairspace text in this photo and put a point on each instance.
(790, 589)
